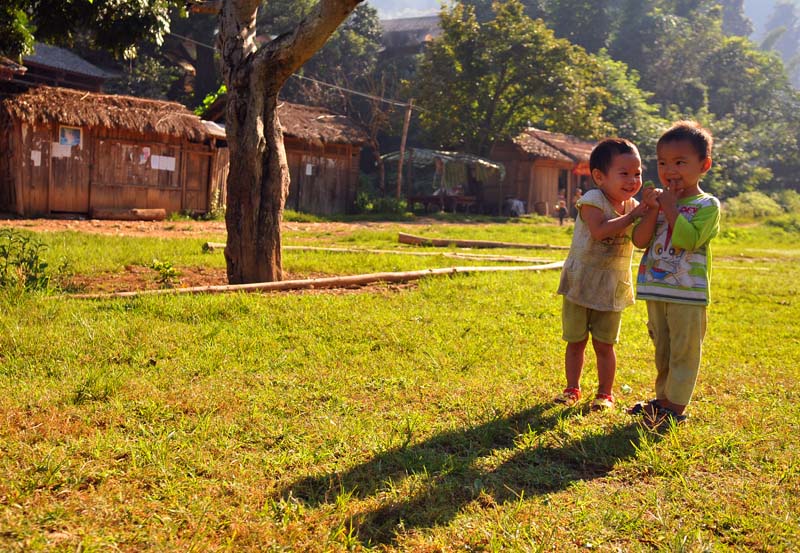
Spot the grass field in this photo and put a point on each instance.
(415, 419)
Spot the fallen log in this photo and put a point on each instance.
(211, 246)
(404, 238)
(317, 283)
(135, 214)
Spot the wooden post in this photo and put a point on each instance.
(403, 147)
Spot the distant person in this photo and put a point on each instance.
(675, 269)
(596, 279)
(562, 212)
(575, 197)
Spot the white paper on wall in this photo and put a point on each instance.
(165, 163)
(36, 158)
(60, 150)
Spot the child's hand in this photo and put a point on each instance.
(668, 200)
(650, 197)
(640, 210)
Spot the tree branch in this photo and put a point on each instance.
(288, 52)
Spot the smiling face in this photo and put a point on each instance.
(623, 179)
(680, 168)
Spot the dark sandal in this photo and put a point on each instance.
(644, 407)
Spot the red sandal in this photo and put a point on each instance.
(569, 397)
(601, 402)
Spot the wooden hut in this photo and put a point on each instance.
(75, 152)
(544, 167)
(322, 150)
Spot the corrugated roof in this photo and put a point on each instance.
(428, 23)
(59, 58)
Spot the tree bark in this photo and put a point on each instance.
(258, 181)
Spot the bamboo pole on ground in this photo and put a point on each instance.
(211, 246)
(404, 238)
(317, 283)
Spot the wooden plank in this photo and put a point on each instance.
(404, 238)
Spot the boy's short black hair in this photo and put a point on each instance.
(692, 132)
(606, 150)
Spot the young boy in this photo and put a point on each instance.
(675, 269)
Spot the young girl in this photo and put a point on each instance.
(596, 280)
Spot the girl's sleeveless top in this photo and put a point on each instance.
(597, 273)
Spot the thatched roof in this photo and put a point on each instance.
(318, 125)
(88, 109)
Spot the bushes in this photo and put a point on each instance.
(21, 263)
(752, 205)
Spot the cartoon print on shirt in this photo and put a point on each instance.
(670, 265)
(667, 265)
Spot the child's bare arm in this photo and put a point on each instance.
(601, 228)
(643, 232)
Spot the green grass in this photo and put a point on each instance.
(414, 420)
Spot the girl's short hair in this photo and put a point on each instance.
(606, 150)
(692, 132)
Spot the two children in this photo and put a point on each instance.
(676, 226)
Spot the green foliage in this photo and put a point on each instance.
(753, 205)
(167, 273)
(628, 107)
(784, 26)
(145, 77)
(348, 58)
(789, 224)
(789, 200)
(376, 205)
(480, 83)
(21, 263)
(209, 100)
(16, 32)
(115, 25)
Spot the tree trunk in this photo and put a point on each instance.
(258, 181)
(257, 188)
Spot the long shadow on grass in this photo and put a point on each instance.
(502, 460)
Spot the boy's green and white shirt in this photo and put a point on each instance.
(676, 267)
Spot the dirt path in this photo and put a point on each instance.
(177, 229)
